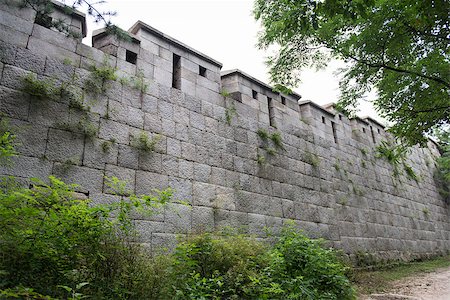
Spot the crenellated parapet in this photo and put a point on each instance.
(240, 153)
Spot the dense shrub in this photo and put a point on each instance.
(238, 267)
(55, 244)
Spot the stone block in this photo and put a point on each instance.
(162, 76)
(14, 104)
(30, 61)
(197, 121)
(58, 69)
(7, 52)
(65, 146)
(150, 104)
(188, 151)
(12, 77)
(13, 37)
(128, 157)
(204, 194)
(27, 167)
(54, 37)
(150, 162)
(31, 139)
(230, 219)
(178, 217)
(53, 51)
(202, 172)
(98, 152)
(169, 165)
(168, 127)
(185, 169)
(19, 24)
(173, 147)
(146, 182)
(182, 189)
(163, 242)
(152, 122)
(88, 180)
(127, 176)
(126, 114)
(256, 224)
(111, 130)
(202, 219)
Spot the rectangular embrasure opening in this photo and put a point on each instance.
(131, 57)
(176, 72)
(202, 71)
(271, 112)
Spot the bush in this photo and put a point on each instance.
(55, 245)
(238, 267)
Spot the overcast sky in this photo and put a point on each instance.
(224, 30)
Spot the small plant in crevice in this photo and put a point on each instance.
(363, 151)
(270, 151)
(225, 93)
(83, 126)
(342, 201)
(337, 167)
(261, 159)
(263, 134)
(357, 191)
(78, 105)
(139, 82)
(363, 164)
(410, 172)
(106, 146)
(274, 138)
(426, 211)
(230, 112)
(144, 142)
(39, 88)
(277, 140)
(312, 159)
(97, 81)
(68, 164)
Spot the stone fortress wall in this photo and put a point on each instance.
(326, 177)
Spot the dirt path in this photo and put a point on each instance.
(428, 286)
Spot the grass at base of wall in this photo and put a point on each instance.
(380, 280)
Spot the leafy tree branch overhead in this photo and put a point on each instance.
(399, 47)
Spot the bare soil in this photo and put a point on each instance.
(426, 286)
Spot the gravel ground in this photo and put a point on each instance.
(428, 286)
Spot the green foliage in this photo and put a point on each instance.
(363, 151)
(394, 154)
(139, 82)
(39, 89)
(442, 173)
(410, 172)
(78, 105)
(225, 93)
(261, 159)
(400, 48)
(83, 126)
(238, 267)
(7, 141)
(56, 245)
(230, 112)
(106, 146)
(44, 9)
(277, 140)
(97, 82)
(312, 159)
(270, 151)
(263, 134)
(144, 143)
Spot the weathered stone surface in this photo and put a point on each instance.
(329, 182)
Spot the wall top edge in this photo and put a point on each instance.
(255, 80)
(76, 13)
(141, 25)
(98, 33)
(317, 106)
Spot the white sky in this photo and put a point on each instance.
(224, 30)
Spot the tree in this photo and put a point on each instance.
(399, 47)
